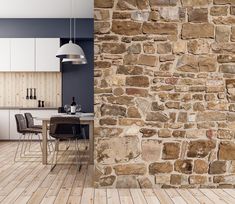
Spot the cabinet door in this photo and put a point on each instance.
(14, 135)
(23, 54)
(4, 125)
(46, 60)
(5, 53)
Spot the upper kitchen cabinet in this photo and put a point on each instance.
(46, 60)
(5, 55)
(23, 54)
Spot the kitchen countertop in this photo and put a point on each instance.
(27, 108)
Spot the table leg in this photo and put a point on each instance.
(91, 142)
(44, 142)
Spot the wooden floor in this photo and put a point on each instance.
(28, 181)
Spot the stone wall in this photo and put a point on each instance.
(164, 93)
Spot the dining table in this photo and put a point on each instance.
(85, 119)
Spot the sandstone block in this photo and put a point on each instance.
(183, 166)
(135, 48)
(130, 169)
(126, 4)
(101, 27)
(148, 132)
(113, 110)
(219, 10)
(126, 27)
(104, 4)
(187, 63)
(129, 70)
(222, 33)
(198, 15)
(164, 48)
(179, 47)
(148, 60)
(171, 150)
(194, 3)
(164, 133)
(157, 116)
(151, 150)
(149, 48)
(197, 179)
(107, 180)
(160, 167)
(132, 112)
(217, 167)
(211, 116)
(200, 166)
(114, 150)
(200, 46)
(157, 3)
(200, 148)
(227, 151)
(137, 92)
(137, 81)
(202, 30)
(160, 28)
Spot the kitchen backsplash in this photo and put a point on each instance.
(13, 89)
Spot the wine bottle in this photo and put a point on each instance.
(73, 106)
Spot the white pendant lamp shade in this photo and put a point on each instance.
(70, 51)
(75, 61)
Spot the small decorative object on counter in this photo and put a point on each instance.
(27, 96)
(42, 104)
(31, 93)
(34, 97)
(73, 106)
(39, 103)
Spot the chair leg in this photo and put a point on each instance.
(18, 145)
(26, 143)
(53, 156)
(39, 141)
(31, 138)
(21, 151)
(78, 159)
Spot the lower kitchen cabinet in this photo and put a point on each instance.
(14, 135)
(4, 125)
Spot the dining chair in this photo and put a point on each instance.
(24, 131)
(30, 124)
(65, 129)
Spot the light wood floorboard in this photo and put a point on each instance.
(29, 182)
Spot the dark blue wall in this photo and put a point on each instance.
(77, 79)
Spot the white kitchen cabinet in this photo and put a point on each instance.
(14, 135)
(5, 55)
(22, 54)
(4, 124)
(46, 49)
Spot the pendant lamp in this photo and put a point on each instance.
(75, 61)
(71, 50)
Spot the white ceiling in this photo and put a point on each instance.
(45, 8)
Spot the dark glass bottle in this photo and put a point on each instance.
(73, 106)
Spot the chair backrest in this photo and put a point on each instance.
(20, 123)
(29, 120)
(65, 127)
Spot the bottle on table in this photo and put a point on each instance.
(73, 107)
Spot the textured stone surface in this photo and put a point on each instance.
(164, 93)
(163, 167)
(200, 166)
(202, 30)
(217, 167)
(171, 151)
(183, 166)
(200, 148)
(227, 151)
(151, 150)
(130, 169)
